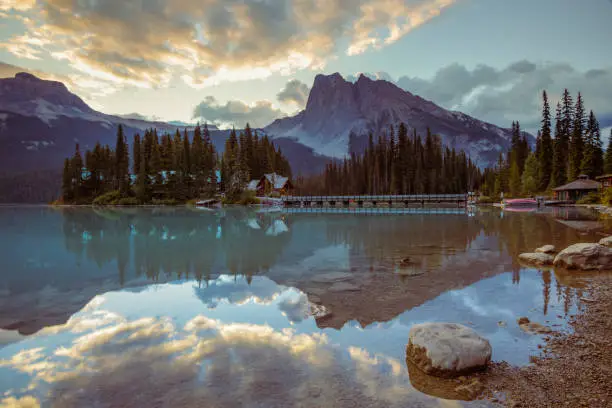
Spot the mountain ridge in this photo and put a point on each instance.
(41, 121)
(338, 111)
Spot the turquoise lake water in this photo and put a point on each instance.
(253, 308)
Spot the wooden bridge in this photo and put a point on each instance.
(379, 210)
(375, 200)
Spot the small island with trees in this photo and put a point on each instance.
(171, 169)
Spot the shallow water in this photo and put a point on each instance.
(172, 307)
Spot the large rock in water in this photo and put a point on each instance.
(537, 258)
(447, 349)
(586, 257)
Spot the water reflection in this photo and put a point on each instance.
(172, 307)
(56, 261)
(254, 343)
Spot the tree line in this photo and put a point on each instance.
(170, 168)
(574, 149)
(397, 164)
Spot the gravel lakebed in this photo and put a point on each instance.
(574, 369)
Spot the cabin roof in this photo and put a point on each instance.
(277, 181)
(580, 184)
(252, 186)
(605, 176)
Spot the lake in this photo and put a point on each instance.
(238, 307)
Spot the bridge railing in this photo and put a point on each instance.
(411, 197)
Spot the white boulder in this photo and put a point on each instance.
(607, 241)
(547, 249)
(585, 257)
(447, 349)
(537, 258)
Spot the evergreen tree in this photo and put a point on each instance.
(121, 163)
(559, 174)
(545, 156)
(67, 192)
(515, 179)
(577, 139)
(608, 156)
(186, 152)
(592, 161)
(529, 179)
(197, 156)
(142, 179)
(76, 165)
(136, 154)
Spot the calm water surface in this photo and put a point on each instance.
(240, 308)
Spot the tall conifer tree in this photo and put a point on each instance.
(545, 156)
(608, 156)
(577, 139)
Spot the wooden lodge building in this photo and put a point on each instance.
(270, 183)
(605, 180)
(577, 189)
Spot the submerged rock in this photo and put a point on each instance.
(522, 320)
(607, 241)
(406, 261)
(445, 388)
(343, 287)
(332, 277)
(585, 257)
(537, 258)
(409, 271)
(547, 249)
(532, 327)
(447, 349)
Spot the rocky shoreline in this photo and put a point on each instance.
(575, 368)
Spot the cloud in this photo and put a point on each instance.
(513, 93)
(295, 93)
(17, 5)
(236, 113)
(138, 116)
(208, 41)
(117, 363)
(374, 76)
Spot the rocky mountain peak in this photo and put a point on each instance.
(340, 114)
(331, 98)
(24, 90)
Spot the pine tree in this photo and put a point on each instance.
(67, 191)
(76, 165)
(545, 156)
(559, 175)
(577, 139)
(529, 179)
(515, 179)
(142, 179)
(122, 163)
(592, 161)
(136, 145)
(186, 152)
(608, 156)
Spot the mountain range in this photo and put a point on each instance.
(40, 122)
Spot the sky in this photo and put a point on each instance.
(233, 61)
